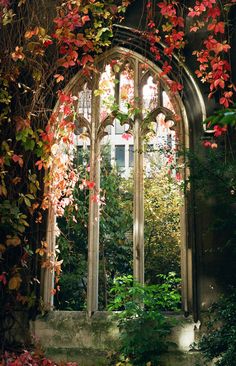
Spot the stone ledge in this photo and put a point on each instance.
(72, 336)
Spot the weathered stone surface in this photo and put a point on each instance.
(72, 336)
(72, 329)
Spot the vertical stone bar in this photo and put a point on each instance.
(47, 274)
(138, 203)
(93, 224)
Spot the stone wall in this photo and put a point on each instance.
(70, 335)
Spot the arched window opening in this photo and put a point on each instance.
(129, 107)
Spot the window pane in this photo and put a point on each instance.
(126, 88)
(118, 128)
(166, 101)
(150, 95)
(150, 148)
(169, 141)
(120, 155)
(84, 102)
(108, 130)
(131, 155)
(107, 90)
(83, 155)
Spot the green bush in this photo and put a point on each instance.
(143, 325)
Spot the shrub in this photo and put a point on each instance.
(143, 325)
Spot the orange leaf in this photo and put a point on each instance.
(14, 283)
(18, 54)
(58, 77)
(13, 240)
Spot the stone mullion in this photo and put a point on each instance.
(47, 273)
(93, 225)
(138, 203)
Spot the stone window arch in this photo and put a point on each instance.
(96, 117)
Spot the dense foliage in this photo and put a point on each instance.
(143, 325)
(218, 343)
(42, 45)
(162, 204)
(39, 40)
(115, 244)
(214, 177)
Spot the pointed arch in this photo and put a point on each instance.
(185, 130)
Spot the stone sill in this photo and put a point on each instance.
(72, 329)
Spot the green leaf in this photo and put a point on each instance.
(27, 201)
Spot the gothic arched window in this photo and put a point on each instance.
(122, 103)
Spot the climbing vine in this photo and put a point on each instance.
(36, 147)
(171, 29)
(42, 46)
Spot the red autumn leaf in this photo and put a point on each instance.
(63, 50)
(18, 159)
(206, 144)
(85, 19)
(47, 42)
(66, 109)
(39, 164)
(198, 10)
(2, 160)
(4, 3)
(217, 27)
(219, 130)
(86, 59)
(194, 28)
(178, 176)
(214, 12)
(169, 50)
(151, 24)
(67, 62)
(90, 184)
(47, 137)
(126, 136)
(3, 278)
(219, 83)
(175, 86)
(73, 55)
(198, 73)
(95, 198)
(167, 10)
(64, 98)
(166, 68)
(178, 21)
(177, 35)
(222, 47)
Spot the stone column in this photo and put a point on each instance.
(47, 274)
(93, 225)
(138, 202)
